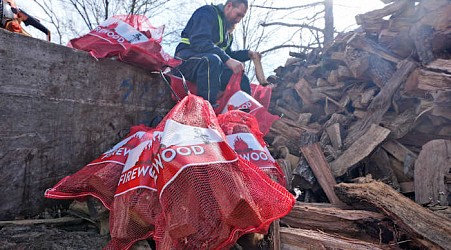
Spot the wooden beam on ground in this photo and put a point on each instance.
(56, 221)
(275, 235)
(331, 218)
(293, 238)
(431, 167)
(321, 169)
(426, 228)
(360, 149)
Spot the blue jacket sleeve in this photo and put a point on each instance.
(240, 55)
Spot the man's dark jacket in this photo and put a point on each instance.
(203, 31)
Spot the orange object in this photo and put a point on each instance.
(14, 26)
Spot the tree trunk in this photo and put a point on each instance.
(329, 22)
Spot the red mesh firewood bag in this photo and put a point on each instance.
(244, 136)
(136, 207)
(129, 37)
(100, 177)
(208, 195)
(234, 98)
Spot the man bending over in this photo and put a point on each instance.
(205, 50)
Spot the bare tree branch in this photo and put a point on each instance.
(292, 25)
(287, 46)
(288, 8)
(48, 10)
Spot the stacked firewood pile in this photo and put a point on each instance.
(376, 102)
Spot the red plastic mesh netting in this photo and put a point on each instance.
(99, 178)
(244, 136)
(136, 207)
(130, 37)
(208, 195)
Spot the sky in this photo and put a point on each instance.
(344, 20)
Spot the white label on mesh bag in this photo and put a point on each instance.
(242, 100)
(182, 135)
(138, 171)
(119, 31)
(119, 153)
(184, 146)
(248, 148)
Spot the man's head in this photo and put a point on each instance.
(234, 11)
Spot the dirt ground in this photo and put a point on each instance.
(82, 236)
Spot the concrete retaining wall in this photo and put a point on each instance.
(60, 109)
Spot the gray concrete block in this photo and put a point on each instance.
(59, 110)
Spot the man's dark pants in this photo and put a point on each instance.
(211, 75)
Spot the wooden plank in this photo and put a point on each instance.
(380, 168)
(259, 73)
(418, 139)
(422, 37)
(276, 234)
(333, 76)
(443, 111)
(287, 169)
(331, 218)
(440, 64)
(335, 135)
(293, 238)
(321, 169)
(426, 229)
(320, 82)
(284, 153)
(288, 113)
(56, 221)
(357, 61)
(399, 42)
(398, 169)
(304, 119)
(360, 149)
(431, 32)
(380, 70)
(407, 187)
(431, 167)
(344, 73)
(411, 84)
(398, 150)
(434, 81)
(339, 56)
(282, 128)
(400, 123)
(381, 13)
(358, 41)
(302, 87)
(381, 103)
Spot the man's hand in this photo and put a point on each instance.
(236, 66)
(253, 55)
